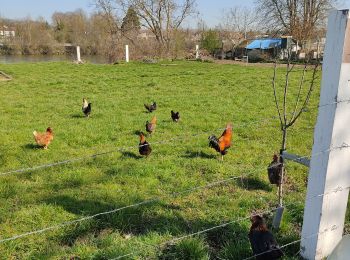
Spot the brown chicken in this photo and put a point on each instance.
(151, 126)
(223, 143)
(43, 139)
(144, 147)
(274, 170)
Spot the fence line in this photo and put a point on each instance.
(149, 201)
(338, 189)
(198, 233)
(228, 223)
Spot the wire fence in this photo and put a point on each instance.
(174, 240)
(149, 201)
(156, 199)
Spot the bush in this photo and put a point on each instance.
(210, 41)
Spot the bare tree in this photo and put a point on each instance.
(162, 17)
(108, 12)
(240, 20)
(298, 18)
(288, 118)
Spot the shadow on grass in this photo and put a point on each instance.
(193, 154)
(137, 132)
(76, 115)
(131, 155)
(31, 146)
(138, 220)
(229, 242)
(249, 183)
(212, 243)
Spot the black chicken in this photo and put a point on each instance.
(86, 108)
(152, 107)
(144, 147)
(262, 241)
(175, 116)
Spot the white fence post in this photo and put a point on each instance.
(197, 52)
(325, 208)
(127, 53)
(78, 54)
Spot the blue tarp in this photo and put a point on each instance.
(264, 44)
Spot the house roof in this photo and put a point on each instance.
(264, 44)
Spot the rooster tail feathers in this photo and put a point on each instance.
(214, 142)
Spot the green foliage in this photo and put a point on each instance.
(131, 21)
(208, 95)
(210, 41)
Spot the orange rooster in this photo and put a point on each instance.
(151, 126)
(144, 147)
(223, 143)
(43, 139)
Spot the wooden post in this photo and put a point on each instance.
(78, 55)
(197, 52)
(324, 215)
(127, 53)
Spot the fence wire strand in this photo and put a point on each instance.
(149, 201)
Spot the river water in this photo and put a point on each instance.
(7, 59)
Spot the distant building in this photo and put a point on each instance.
(146, 35)
(6, 32)
(265, 44)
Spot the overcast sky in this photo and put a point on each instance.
(210, 10)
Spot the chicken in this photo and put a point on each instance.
(274, 170)
(151, 126)
(43, 139)
(151, 107)
(175, 116)
(223, 143)
(263, 243)
(86, 108)
(144, 147)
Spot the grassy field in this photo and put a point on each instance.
(207, 96)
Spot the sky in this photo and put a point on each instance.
(210, 10)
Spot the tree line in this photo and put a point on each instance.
(155, 28)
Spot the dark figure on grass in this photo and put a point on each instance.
(263, 243)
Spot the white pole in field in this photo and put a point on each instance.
(127, 53)
(78, 54)
(197, 52)
(324, 215)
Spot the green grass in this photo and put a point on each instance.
(207, 96)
